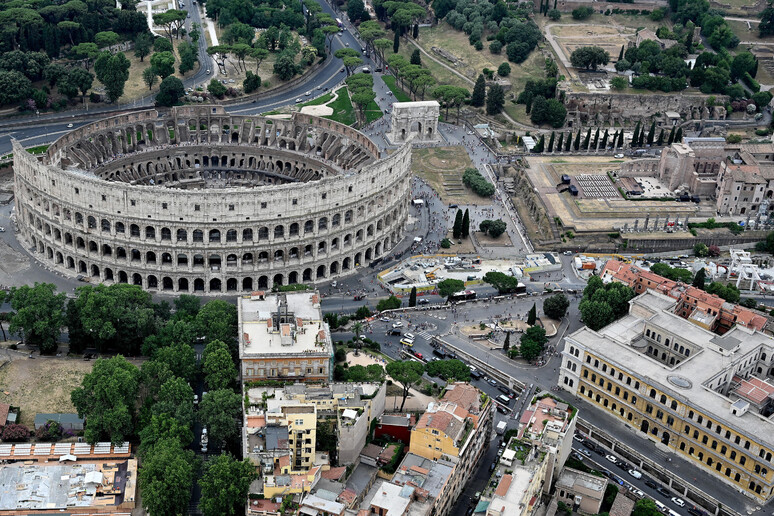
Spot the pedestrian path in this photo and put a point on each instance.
(425, 335)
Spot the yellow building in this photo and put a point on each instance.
(707, 397)
(283, 337)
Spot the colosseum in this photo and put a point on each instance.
(197, 200)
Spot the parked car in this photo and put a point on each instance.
(678, 501)
(578, 437)
(611, 458)
(664, 491)
(585, 452)
(636, 492)
(651, 484)
(635, 473)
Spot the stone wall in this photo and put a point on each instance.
(627, 109)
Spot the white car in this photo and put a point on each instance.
(636, 492)
(308, 93)
(578, 437)
(611, 458)
(397, 324)
(618, 156)
(69, 126)
(409, 336)
(635, 473)
(585, 452)
(299, 101)
(385, 319)
(678, 501)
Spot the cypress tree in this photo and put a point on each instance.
(465, 230)
(568, 143)
(576, 144)
(652, 132)
(620, 138)
(587, 139)
(636, 137)
(559, 142)
(540, 144)
(604, 140)
(699, 279)
(507, 343)
(457, 228)
(621, 53)
(679, 135)
(671, 136)
(415, 34)
(660, 138)
(478, 97)
(596, 138)
(528, 105)
(532, 315)
(754, 70)
(396, 41)
(689, 41)
(413, 297)
(642, 137)
(551, 142)
(554, 4)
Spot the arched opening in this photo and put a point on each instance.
(122, 278)
(214, 235)
(644, 427)
(166, 259)
(150, 233)
(94, 271)
(307, 276)
(247, 284)
(150, 257)
(153, 282)
(182, 235)
(277, 280)
(214, 262)
(247, 235)
(292, 278)
(263, 282)
(108, 274)
(231, 284)
(182, 285)
(136, 279)
(321, 272)
(166, 234)
(665, 438)
(231, 235)
(82, 267)
(198, 285)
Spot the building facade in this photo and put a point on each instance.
(706, 397)
(198, 200)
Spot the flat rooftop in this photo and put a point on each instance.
(66, 486)
(696, 379)
(268, 328)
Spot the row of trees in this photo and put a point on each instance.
(473, 179)
(564, 142)
(461, 227)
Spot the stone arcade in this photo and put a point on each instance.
(197, 200)
(414, 119)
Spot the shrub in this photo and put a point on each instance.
(15, 433)
(554, 14)
(216, 88)
(581, 13)
(252, 82)
(445, 243)
(476, 182)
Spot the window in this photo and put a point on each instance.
(104, 197)
(295, 202)
(263, 205)
(673, 406)
(230, 207)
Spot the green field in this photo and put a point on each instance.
(343, 112)
(319, 100)
(400, 95)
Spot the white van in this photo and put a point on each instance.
(661, 507)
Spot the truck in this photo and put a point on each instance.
(501, 427)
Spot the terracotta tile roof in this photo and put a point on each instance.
(754, 389)
(464, 395)
(334, 473)
(348, 496)
(252, 421)
(503, 486)
(285, 330)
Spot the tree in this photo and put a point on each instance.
(149, 77)
(189, 57)
(39, 315)
(532, 315)
(252, 82)
(285, 67)
(350, 58)
(175, 399)
(356, 11)
(391, 303)
(636, 136)
(171, 21)
(589, 57)
(660, 141)
(504, 283)
(180, 358)
(576, 143)
(457, 227)
(554, 14)
(225, 483)
(86, 52)
(495, 100)
(540, 146)
(551, 142)
(106, 38)
(219, 411)
(652, 133)
(645, 507)
(699, 279)
(450, 286)
(449, 370)
(406, 373)
(413, 297)
(416, 58)
(143, 44)
(14, 432)
(581, 13)
(679, 135)
(217, 320)
(218, 367)
(166, 477)
(415, 31)
(163, 64)
(80, 78)
(113, 71)
(162, 45)
(532, 343)
(586, 139)
(50, 431)
(504, 70)
(161, 427)
(494, 228)
(106, 400)
(478, 97)
(170, 91)
(556, 306)
(728, 292)
(507, 343)
(465, 229)
(396, 42)
(701, 250)
(259, 54)
(216, 88)
(766, 26)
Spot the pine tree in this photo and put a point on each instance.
(660, 138)
(652, 132)
(457, 228)
(551, 142)
(465, 230)
(596, 138)
(576, 145)
(604, 140)
(507, 343)
(413, 297)
(679, 135)
(587, 139)
(540, 144)
(699, 279)
(478, 97)
(416, 59)
(396, 42)
(559, 142)
(621, 53)
(671, 136)
(620, 139)
(532, 315)
(568, 142)
(636, 137)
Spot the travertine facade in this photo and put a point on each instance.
(414, 120)
(199, 200)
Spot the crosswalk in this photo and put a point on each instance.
(425, 335)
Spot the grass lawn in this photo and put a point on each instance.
(343, 112)
(442, 167)
(373, 112)
(400, 95)
(319, 100)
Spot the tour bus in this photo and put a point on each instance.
(465, 295)
(338, 22)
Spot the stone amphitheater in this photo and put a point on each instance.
(197, 200)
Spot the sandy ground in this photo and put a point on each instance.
(317, 110)
(415, 401)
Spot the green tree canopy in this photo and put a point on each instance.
(728, 292)
(176, 400)
(39, 314)
(170, 90)
(219, 369)
(225, 485)
(112, 70)
(673, 273)
(391, 303)
(406, 373)
(161, 427)
(556, 306)
(219, 411)
(450, 286)
(604, 303)
(106, 399)
(449, 370)
(217, 320)
(504, 283)
(180, 358)
(166, 477)
(589, 57)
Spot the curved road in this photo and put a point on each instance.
(37, 130)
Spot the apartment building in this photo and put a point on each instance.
(518, 493)
(581, 491)
(708, 311)
(707, 397)
(283, 337)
